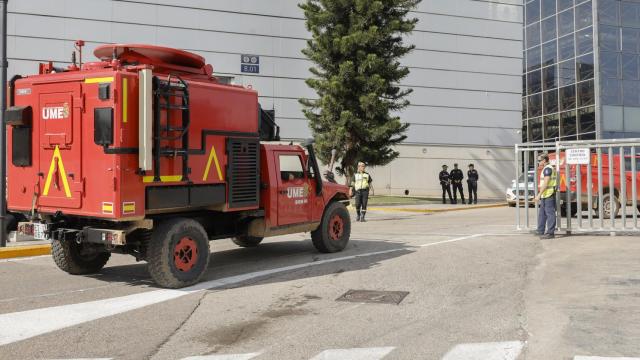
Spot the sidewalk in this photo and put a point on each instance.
(434, 207)
(25, 247)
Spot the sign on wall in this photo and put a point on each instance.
(578, 156)
(250, 64)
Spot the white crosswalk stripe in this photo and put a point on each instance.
(354, 354)
(224, 357)
(508, 350)
(603, 358)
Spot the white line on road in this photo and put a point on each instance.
(224, 357)
(27, 324)
(603, 358)
(354, 354)
(508, 350)
(23, 258)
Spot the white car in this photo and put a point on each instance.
(511, 191)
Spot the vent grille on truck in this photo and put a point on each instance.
(243, 172)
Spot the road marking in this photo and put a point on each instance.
(603, 358)
(24, 258)
(354, 354)
(453, 240)
(508, 350)
(85, 359)
(224, 357)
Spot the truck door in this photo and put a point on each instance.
(60, 130)
(294, 190)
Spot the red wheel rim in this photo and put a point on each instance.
(336, 227)
(185, 254)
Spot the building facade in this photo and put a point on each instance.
(581, 70)
(465, 70)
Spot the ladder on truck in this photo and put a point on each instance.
(166, 92)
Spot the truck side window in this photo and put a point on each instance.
(291, 167)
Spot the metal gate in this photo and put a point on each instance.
(597, 185)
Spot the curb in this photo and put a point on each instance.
(24, 251)
(430, 211)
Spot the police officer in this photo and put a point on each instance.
(456, 180)
(472, 182)
(546, 198)
(445, 182)
(360, 186)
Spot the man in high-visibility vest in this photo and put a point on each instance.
(546, 198)
(360, 186)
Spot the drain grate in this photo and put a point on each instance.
(372, 296)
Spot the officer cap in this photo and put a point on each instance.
(444, 166)
(456, 164)
(470, 165)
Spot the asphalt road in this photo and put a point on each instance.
(476, 290)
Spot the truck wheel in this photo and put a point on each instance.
(78, 259)
(247, 241)
(610, 205)
(178, 253)
(335, 228)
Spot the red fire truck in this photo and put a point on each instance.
(611, 194)
(144, 152)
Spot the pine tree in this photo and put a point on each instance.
(356, 47)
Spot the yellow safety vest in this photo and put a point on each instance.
(551, 185)
(361, 181)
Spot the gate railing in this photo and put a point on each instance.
(597, 184)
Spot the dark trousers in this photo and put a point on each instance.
(473, 191)
(457, 187)
(547, 216)
(362, 198)
(446, 189)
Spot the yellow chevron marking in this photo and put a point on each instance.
(63, 174)
(212, 157)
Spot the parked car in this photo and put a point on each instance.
(511, 191)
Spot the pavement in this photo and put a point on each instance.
(476, 289)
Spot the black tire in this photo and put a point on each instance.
(574, 210)
(11, 223)
(178, 253)
(334, 231)
(78, 259)
(608, 201)
(247, 241)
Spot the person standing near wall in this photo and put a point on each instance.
(472, 182)
(546, 198)
(456, 179)
(445, 182)
(360, 186)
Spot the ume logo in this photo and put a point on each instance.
(55, 112)
(295, 192)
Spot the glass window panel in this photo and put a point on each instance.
(587, 123)
(566, 48)
(630, 66)
(549, 77)
(524, 108)
(568, 125)
(609, 12)
(550, 102)
(564, 4)
(534, 105)
(533, 11)
(548, 29)
(630, 39)
(630, 14)
(524, 84)
(630, 93)
(535, 129)
(584, 15)
(533, 58)
(611, 91)
(566, 73)
(586, 93)
(565, 22)
(534, 82)
(525, 128)
(548, 8)
(610, 38)
(585, 67)
(568, 97)
(551, 127)
(549, 53)
(533, 35)
(584, 41)
(610, 64)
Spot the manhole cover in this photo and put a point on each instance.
(371, 296)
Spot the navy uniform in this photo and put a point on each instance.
(472, 181)
(361, 184)
(456, 180)
(445, 182)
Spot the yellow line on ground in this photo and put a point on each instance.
(24, 251)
